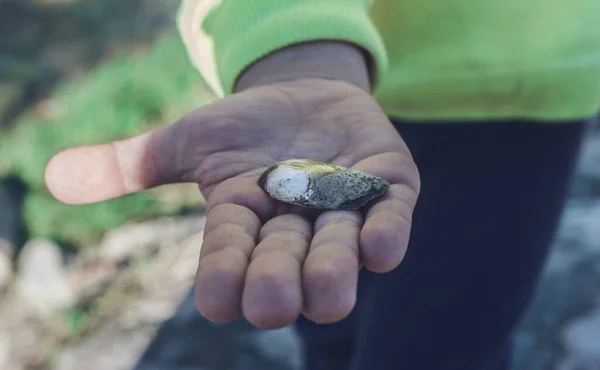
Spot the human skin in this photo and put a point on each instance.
(262, 259)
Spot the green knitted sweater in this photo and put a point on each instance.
(433, 59)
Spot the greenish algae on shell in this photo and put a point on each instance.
(319, 185)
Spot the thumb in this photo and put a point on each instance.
(171, 154)
(94, 173)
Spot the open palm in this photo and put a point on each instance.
(260, 258)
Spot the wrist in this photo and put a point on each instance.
(323, 59)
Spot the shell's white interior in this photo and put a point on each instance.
(287, 183)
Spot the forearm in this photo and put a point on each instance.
(320, 59)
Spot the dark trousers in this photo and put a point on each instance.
(490, 202)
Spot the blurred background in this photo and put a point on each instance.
(88, 287)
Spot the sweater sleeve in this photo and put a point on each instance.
(223, 37)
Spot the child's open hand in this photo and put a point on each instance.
(261, 258)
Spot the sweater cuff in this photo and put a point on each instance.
(244, 31)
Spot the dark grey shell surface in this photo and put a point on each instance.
(313, 184)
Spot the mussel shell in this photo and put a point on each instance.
(319, 185)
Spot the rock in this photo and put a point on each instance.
(568, 287)
(27, 346)
(6, 269)
(572, 363)
(159, 286)
(189, 341)
(146, 312)
(582, 342)
(5, 349)
(581, 223)
(42, 281)
(109, 348)
(313, 184)
(578, 235)
(139, 240)
(283, 346)
(590, 157)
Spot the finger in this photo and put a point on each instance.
(272, 294)
(230, 236)
(94, 173)
(174, 153)
(385, 234)
(243, 191)
(330, 271)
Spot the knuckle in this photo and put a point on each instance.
(347, 240)
(285, 236)
(282, 248)
(324, 276)
(218, 293)
(228, 236)
(289, 225)
(395, 206)
(245, 196)
(222, 209)
(352, 218)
